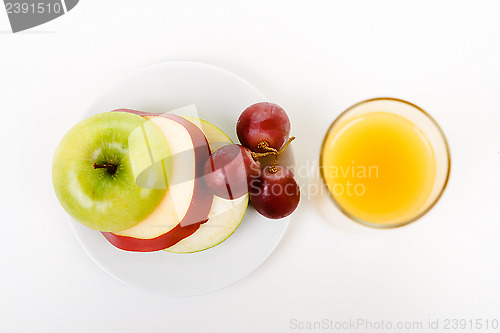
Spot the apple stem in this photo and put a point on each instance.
(111, 168)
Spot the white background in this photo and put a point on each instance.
(314, 58)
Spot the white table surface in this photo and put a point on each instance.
(315, 58)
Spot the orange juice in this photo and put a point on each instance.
(379, 168)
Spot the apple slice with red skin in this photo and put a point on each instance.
(152, 234)
(225, 215)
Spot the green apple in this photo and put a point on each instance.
(225, 215)
(187, 201)
(110, 171)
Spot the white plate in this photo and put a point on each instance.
(220, 97)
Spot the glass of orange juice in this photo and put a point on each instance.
(385, 162)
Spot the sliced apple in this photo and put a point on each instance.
(187, 201)
(225, 215)
(215, 136)
(223, 220)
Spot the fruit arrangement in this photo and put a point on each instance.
(152, 182)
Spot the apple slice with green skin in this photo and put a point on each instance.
(187, 202)
(225, 215)
(95, 167)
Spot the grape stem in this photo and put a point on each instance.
(285, 146)
(273, 168)
(256, 156)
(264, 145)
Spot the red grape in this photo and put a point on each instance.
(229, 171)
(275, 194)
(263, 122)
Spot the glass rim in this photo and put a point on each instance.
(430, 206)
